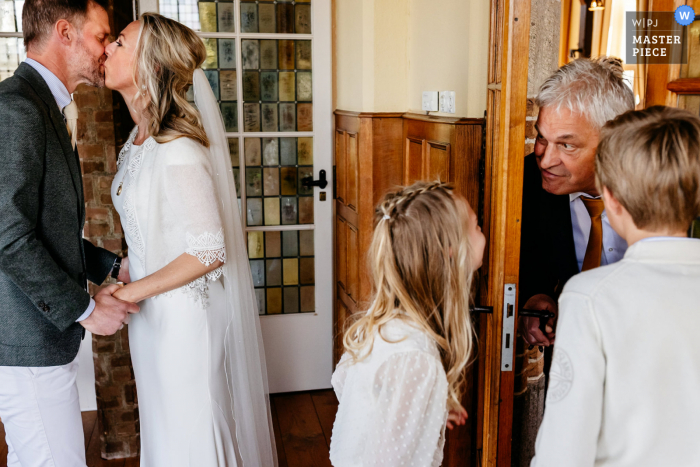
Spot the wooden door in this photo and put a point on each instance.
(502, 209)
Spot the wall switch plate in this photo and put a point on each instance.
(430, 101)
(447, 102)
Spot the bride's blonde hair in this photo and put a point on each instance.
(420, 260)
(167, 55)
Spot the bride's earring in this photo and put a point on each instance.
(143, 89)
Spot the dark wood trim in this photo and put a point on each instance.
(685, 86)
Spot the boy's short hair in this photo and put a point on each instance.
(650, 161)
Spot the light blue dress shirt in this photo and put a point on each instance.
(63, 98)
(614, 246)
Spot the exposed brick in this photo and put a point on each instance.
(87, 190)
(529, 148)
(121, 374)
(106, 199)
(96, 230)
(105, 183)
(104, 131)
(120, 360)
(102, 116)
(104, 347)
(114, 245)
(93, 166)
(112, 447)
(532, 109)
(97, 214)
(90, 151)
(86, 99)
(530, 131)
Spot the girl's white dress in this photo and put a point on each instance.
(168, 208)
(393, 404)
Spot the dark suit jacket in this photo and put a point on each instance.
(547, 251)
(44, 262)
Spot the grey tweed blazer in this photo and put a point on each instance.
(44, 261)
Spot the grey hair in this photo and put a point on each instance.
(595, 88)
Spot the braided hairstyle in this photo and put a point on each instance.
(421, 272)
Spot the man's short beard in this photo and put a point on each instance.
(88, 69)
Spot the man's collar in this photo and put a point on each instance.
(56, 86)
(574, 196)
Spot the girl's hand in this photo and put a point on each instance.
(457, 417)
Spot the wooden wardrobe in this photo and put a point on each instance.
(375, 152)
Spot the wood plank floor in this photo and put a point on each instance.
(302, 421)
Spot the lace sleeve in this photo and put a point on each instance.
(411, 398)
(191, 194)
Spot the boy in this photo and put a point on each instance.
(625, 377)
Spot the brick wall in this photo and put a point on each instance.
(117, 403)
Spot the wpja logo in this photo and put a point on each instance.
(657, 37)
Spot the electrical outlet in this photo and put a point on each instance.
(447, 102)
(430, 101)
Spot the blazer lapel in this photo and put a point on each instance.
(30, 75)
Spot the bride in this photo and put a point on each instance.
(196, 347)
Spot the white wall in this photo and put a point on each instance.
(387, 52)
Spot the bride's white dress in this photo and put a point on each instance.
(176, 341)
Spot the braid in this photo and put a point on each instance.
(397, 203)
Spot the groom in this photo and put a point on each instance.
(44, 262)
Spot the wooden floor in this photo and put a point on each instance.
(302, 421)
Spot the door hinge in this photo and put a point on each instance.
(508, 336)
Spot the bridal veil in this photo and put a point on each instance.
(244, 361)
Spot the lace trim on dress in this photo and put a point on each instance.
(208, 248)
(134, 166)
(127, 147)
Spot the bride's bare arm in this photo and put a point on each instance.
(181, 271)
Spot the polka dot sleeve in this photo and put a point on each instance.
(410, 391)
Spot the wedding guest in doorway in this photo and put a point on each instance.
(565, 229)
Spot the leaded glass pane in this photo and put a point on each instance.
(277, 84)
(281, 17)
(283, 269)
(208, 16)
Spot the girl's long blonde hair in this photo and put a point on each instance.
(167, 55)
(421, 272)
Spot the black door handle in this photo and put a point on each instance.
(309, 182)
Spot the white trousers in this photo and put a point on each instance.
(40, 409)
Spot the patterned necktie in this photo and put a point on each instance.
(71, 113)
(594, 250)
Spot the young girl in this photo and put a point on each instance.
(400, 381)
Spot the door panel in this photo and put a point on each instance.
(438, 161)
(353, 263)
(413, 164)
(341, 245)
(353, 175)
(340, 165)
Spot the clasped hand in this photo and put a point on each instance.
(110, 313)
